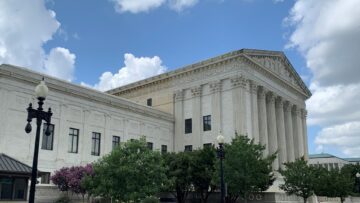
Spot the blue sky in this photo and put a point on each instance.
(103, 44)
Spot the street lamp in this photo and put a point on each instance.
(357, 182)
(221, 156)
(41, 92)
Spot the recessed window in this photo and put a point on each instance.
(149, 102)
(45, 178)
(95, 144)
(188, 126)
(150, 145)
(73, 140)
(207, 145)
(115, 141)
(188, 148)
(163, 149)
(47, 140)
(207, 123)
(14, 188)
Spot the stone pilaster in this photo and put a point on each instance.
(196, 118)
(263, 133)
(280, 125)
(289, 132)
(238, 92)
(254, 111)
(272, 130)
(215, 89)
(304, 125)
(179, 120)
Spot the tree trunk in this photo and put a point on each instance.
(304, 199)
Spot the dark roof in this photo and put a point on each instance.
(323, 155)
(10, 165)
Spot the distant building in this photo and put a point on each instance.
(330, 161)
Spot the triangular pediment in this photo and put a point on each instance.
(278, 64)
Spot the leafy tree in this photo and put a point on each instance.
(130, 172)
(179, 174)
(299, 179)
(203, 169)
(350, 170)
(333, 183)
(245, 169)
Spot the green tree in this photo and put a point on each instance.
(130, 172)
(299, 179)
(333, 183)
(178, 174)
(245, 169)
(203, 168)
(350, 170)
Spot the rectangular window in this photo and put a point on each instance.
(207, 145)
(188, 148)
(45, 178)
(13, 188)
(95, 145)
(47, 141)
(188, 126)
(73, 140)
(115, 141)
(149, 102)
(150, 145)
(163, 149)
(207, 123)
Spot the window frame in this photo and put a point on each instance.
(45, 138)
(188, 126)
(207, 123)
(95, 140)
(71, 137)
(188, 148)
(150, 145)
(116, 142)
(163, 149)
(149, 102)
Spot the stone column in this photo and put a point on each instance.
(239, 84)
(272, 130)
(248, 111)
(295, 132)
(306, 150)
(196, 117)
(300, 132)
(263, 133)
(215, 89)
(254, 111)
(289, 132)
(179, 120)
(280, 125)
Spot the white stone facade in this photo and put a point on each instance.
(75, 107)
(251, 92)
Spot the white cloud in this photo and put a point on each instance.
(136, 68)
(180, 5)
(25, 26)
(137, 6)
(327, 33)
(60, 63)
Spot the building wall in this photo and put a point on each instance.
(73, 107)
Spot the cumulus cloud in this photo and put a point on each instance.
(60, 63)
(25, 26)
(137, 6)
(327, 33)
(136, 68)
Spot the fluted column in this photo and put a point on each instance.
(179, 120)
(298, 136)
(295, 132)
(263, 133)
(300, 132)
(272, 130)
(306, 150)
(289, 132)
(197, 118)
(238, 92)
(254, 111)
(280, 125)
(215, 89)
(248, 111)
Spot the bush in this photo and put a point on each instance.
(151, 200)
(64, 199)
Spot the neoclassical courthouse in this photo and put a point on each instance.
(256, 93)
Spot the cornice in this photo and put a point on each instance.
(62, 86)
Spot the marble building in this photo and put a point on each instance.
(256, 93)
(252, 92)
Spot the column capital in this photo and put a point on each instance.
(270, 97)
(215, 86)
(296, 110)
(196, 91)
(262, 92)
(279, 102)
(303, 113)
(238, 81)
(179, 95)
(253, 87)
(288, 106)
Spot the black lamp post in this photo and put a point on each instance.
(357, 182)
(41, 92)
(221, 156)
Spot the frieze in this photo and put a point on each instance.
(238, 81)
(196, 91)
(215, 86)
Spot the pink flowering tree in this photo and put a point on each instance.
(69, 179)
